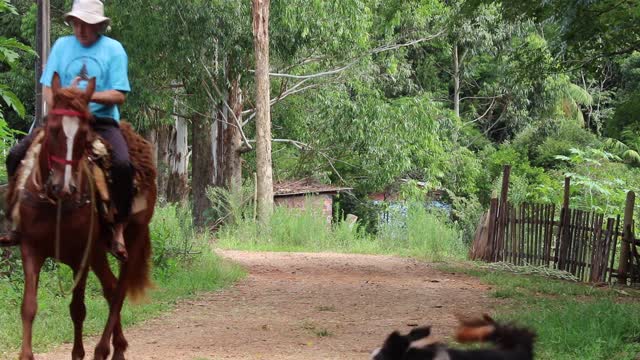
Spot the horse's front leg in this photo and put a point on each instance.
(31, 264)
(109, 285)
(78, 314)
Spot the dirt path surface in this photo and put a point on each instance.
(306, 306)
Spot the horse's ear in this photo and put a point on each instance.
(91, 87)
(55, 82)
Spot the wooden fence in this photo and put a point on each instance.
(583, 243)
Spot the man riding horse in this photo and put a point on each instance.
(77, 58)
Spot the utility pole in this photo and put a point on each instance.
(43, 46)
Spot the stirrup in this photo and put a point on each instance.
(118, 251)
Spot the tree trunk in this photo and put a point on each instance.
(263, 110)
(201, 167)
(177, 186)
(233, 139)
(162, 139)
(456, 80)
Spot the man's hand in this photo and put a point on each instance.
(76, 81)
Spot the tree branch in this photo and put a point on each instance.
(493, 101)
(279, 98)
(233, 114)
(356, 60)
(172, 113)
(302, 146)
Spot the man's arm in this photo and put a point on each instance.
(109, 97)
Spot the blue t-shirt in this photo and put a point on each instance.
(105, 60)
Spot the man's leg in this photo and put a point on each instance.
(122, 180)
(15, 156)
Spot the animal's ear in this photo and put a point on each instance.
(488, 318)
(419, 333)
(91, 88)
(55, 82)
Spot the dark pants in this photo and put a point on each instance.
(121, 169)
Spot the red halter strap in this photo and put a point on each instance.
(67, 112)
(61, 161)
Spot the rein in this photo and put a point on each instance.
(87, 249)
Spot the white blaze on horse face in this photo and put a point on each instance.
(70, 126)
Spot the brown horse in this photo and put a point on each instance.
(54, 196)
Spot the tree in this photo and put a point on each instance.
(10, 49)
(263, 110)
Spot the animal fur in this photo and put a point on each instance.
(141, 153)
(510, 343)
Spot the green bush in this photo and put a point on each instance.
(173, 237)
(467, 212)
(560, 142)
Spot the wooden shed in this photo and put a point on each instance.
(297, 193)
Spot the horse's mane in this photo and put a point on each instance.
(74, 99)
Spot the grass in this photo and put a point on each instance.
(573, 320)
(425, 235)
(317, 331)
(184, 266)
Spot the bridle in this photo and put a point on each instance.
(57, 159)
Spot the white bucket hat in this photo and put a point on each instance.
(89, 11)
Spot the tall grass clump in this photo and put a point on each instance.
(424, 233)
(292, 230)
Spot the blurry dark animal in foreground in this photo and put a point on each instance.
(509, 343)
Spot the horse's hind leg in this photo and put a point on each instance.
(78, 314)
(31, 264)
(109, 282)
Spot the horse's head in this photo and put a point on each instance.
(66, 136)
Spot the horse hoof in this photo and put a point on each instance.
(100, 355)
(24, 356)
(118, 356)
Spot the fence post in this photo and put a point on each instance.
(502, 214)
(627, 238)
(491, 231)
(563, 230)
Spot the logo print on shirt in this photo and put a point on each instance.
(84, 67)
(84, 74)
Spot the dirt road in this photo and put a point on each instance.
(306, 306)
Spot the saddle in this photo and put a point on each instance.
(99, 164)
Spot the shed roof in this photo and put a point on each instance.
(303, 187)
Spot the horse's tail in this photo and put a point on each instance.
(137, 278)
